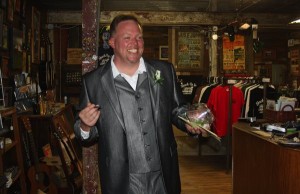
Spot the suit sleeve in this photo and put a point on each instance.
(83, 100)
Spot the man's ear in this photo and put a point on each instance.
(111, 43)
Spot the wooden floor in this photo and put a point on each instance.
(205, 175)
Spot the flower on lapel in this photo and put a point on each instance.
(157, 77)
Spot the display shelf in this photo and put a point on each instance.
(11, 154)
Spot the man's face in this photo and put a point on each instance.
(128, 43)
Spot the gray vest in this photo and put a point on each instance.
(136, 106)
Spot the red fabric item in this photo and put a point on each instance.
(218, 103)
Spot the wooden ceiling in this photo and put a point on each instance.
(224, 6)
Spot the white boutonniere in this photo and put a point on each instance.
(157, 77)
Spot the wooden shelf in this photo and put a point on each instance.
(12, 153)
(10, 146)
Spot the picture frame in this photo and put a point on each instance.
(35, 36)
(189, 50)
(163, 52)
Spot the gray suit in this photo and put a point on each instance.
(167, 103)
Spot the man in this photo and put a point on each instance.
(129, 105)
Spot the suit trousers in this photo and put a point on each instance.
(146, 183)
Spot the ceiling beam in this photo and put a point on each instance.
(176, 18)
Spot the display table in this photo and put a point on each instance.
(261, 166)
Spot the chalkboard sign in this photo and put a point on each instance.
(190, 50)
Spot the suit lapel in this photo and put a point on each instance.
(154, 91)
(109, 89)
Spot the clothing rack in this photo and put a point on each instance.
(230, 82)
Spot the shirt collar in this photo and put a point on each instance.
(116, 72)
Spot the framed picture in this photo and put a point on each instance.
(190, 50)
(35, 33)
(163, 52)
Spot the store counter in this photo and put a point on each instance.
(262, 166)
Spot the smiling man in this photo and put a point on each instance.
(129, 105)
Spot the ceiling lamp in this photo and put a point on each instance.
(214, 35)
(244, 26)
(296, 21)
(248, 23)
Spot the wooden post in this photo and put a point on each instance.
(90, 36)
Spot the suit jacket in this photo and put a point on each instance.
(167, 103)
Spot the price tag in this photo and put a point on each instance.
(231, 81)
(266, 80)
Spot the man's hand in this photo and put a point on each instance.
(89, 116)
(196, 130)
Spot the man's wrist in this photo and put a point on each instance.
(85, 127)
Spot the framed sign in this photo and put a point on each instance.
(190, 50)
(234, 53)
(35, 40)
(163, 52)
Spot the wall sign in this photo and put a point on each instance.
(234, 53)
(190, 50)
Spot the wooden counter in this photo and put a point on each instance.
(261, 166)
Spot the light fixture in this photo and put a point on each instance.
(296, 21)
(214, 35)
(248, 23)
(244, 26)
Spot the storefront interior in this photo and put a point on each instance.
(46, 46)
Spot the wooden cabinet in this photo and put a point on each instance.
(10, 153)
(261, 166)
